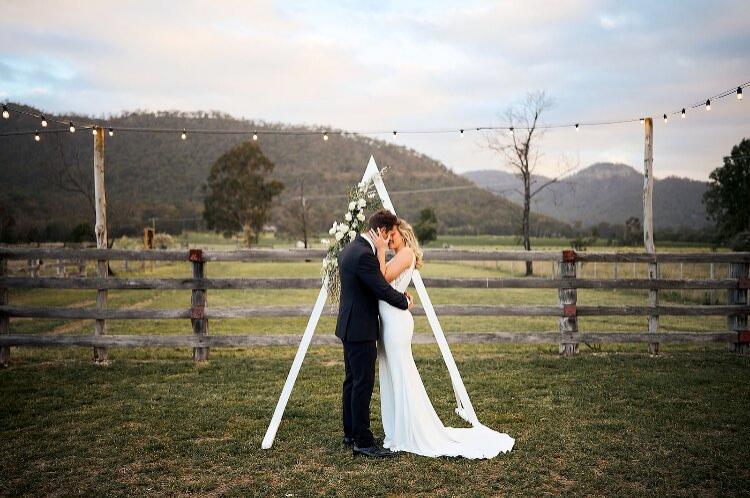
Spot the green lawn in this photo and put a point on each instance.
(610, 421)
(152, 422)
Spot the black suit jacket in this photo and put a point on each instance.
(362, 285)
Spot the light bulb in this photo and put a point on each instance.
(36, 135)
(6, 114)
(461, 133)
(665, 118)
(325, 136)
(643, 120)
(111, 132)
(394, 133)
(93, 131)
(708, 104)
(72, 127)
(44, 122)
(682, 114)
(739, 93)
(184, 134)
(576, 126)
(512, 131)
(255, 135)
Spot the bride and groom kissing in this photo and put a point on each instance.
(375, 324)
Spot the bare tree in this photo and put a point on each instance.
(518, 146)
(70, 175)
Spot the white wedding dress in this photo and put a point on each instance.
(409, 420)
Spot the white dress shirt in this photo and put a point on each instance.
(372, 244)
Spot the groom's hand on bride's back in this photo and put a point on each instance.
(410, 299)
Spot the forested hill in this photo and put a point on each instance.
(159, 175)
(606, 193)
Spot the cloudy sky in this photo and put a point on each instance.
(402, 65)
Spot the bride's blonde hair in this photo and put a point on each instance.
(410, 239)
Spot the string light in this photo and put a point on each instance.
(111, 132)
(36, 135)
(93, 131)
(7, 109)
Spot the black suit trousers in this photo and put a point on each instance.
(359, 380)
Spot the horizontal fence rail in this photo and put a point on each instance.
(250, 255)
(292, 340)
(565, 281)
(315, 283)
(295, 311)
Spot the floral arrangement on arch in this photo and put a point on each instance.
(362, 198)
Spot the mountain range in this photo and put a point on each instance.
(604, 192)
(159, 176)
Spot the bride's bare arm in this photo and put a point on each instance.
(400, 262)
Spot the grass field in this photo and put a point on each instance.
(610, 421)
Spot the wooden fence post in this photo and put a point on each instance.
(100, 229)
(568, 323)
(648, 226)
(198, 304)
(738, 323)
(4, 320)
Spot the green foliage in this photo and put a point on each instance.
(160, 176)
(83, 232)
(726, 199)
(426, 226)
(633, 235)
(239, 195)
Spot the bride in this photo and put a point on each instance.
(410, 422)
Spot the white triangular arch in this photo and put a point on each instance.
(464, 407)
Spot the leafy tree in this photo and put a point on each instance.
(426, 227)
(83, 232)
(728, 192)
(239, 195)
(633, 232)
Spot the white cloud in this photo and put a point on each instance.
(386, 66)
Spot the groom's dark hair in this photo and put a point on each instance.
(382, 219)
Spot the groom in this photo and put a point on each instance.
(362, 285)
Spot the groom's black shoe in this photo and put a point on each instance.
(348, 441)
(372, 452)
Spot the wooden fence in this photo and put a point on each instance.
(565, 281)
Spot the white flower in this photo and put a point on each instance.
(361, 217)
(339, 235)
(343, 228)
(361, 203)
(332, 230)
(348, 216)
(352, 205)
(352, 234)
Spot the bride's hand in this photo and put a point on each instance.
(380, 241)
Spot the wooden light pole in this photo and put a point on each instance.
(100, 229)
(648, 226)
